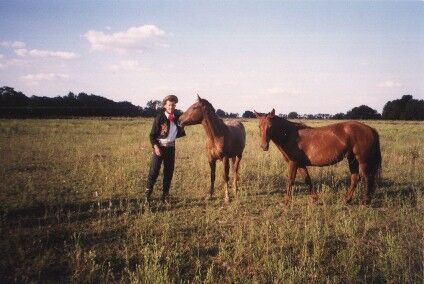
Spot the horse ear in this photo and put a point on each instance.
(198, 97)
(257, 114)
(272, 113)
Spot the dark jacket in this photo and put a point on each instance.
(160, 128)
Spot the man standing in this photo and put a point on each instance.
(162, 137)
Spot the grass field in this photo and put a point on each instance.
(71, 210)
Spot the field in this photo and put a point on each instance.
(71, 210)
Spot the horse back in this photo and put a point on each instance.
(329, 144)
(359, 133)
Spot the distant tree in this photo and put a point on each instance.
(83, 99)
(282, 115)
(414, 110)
(71, 96)
(154, 104)
(363, 112)
(405, 108)
(221, 113)
(339, 115)
(317, 116)
(322, 116)
(16, 105)
(293, 115)
(11, 98)
(248, 114)
(152, 108)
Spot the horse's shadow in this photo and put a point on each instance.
(278, 184)
(394, 192)
(43, 215)
(388, 192)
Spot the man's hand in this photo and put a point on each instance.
(157, 150)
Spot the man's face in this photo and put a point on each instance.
(170, 106)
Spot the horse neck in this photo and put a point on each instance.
(282, 126)
(213, 125)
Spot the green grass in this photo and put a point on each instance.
(70, 210)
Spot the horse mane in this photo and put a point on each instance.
(211, 110)
(300, 125)
(281, 128)
(290, 124)
(217, 123)
(208, 105)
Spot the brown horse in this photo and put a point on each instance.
(225, 140)
(304, 146)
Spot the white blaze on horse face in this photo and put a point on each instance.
(264, 126)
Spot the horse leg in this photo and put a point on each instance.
(212, 165)
(235, 161)
(292, 177)
(226, 162)
(312, 190)
(370, 188)
(354, 177)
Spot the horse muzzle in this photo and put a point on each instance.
(181, 121)
(184, 122)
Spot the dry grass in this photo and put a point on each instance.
(70, 210)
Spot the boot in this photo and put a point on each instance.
(166, 200)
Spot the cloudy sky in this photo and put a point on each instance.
(309, 57)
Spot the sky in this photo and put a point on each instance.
(308, 57)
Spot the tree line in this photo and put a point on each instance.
(405, 108)
(15, 104)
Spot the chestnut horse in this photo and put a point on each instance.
(225, 140)
(304, 146)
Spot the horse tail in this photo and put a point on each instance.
(243, 132)
(377, 155)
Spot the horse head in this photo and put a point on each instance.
(194, 114)
(265, 124)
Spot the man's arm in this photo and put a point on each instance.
(155, 132)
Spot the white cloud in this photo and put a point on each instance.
(36, 53)
(389, 84)
(18, 44)
(135, 38)
(21, 52)
(128, 66)
(35, 79)
(15, 44)
(11, 63)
